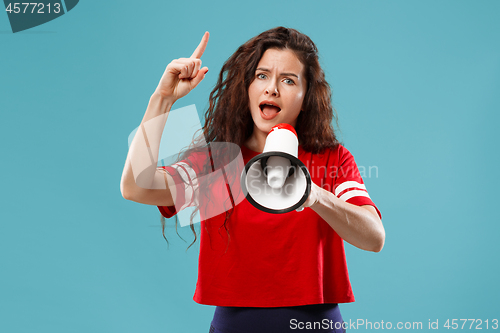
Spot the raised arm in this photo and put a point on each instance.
(142, 181)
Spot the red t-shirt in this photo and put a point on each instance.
(275, 260)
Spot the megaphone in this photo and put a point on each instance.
(276, 181)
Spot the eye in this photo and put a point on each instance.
(288, 81)
(261, 76)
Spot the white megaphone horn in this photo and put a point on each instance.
(276, 181)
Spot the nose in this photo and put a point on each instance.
(272, 89)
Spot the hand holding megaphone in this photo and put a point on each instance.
(312, 198)
(276, 181)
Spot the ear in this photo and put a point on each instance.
(302, 107)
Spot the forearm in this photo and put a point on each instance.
(356, 225)
(140, 171)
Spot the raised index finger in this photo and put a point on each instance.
(201, 47)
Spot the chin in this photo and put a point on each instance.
(266, 128)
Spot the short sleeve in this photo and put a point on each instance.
(348, 184)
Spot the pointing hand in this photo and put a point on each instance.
(184, 74)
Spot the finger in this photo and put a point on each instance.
(184, 72)
(174, 67)
(186, 66)
(179, 69)
(197, 65)
(193, 66)
(201, 47)
(197, 79)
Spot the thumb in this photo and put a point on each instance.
(200, 76)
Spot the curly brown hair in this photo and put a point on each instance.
(228, 118)
(229, 104)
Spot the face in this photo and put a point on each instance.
(277, 91)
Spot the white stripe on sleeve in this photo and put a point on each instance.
(349, 184)
(188, 175)
(354, 193)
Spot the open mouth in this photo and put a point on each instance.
(269, 109)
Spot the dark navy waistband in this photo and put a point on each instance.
(307, 318)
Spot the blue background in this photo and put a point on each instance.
(416, 85)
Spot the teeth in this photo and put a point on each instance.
(265, 104)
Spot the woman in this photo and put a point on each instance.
(267, 272)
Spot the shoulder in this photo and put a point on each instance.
(331, 156)
(337, 149)
(340, 151)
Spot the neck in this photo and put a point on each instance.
(256, 141)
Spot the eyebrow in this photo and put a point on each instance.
(283, 74)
